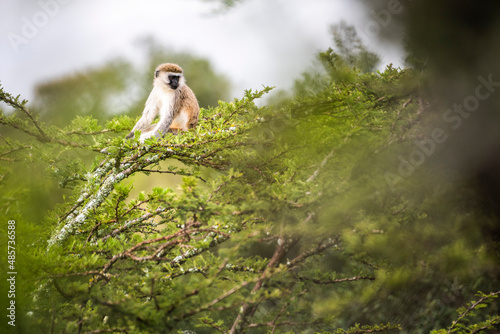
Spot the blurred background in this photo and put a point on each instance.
(253, 44)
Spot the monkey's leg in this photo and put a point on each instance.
(174, 130)
(144, 131)
(143, 126)
(157, 130)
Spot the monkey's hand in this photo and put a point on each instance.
(146, 135)
(130, 135)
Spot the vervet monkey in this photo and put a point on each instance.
(173, 100)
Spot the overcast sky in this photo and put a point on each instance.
(258, 42)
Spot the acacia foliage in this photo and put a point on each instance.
(285, 220)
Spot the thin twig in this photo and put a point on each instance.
(471, 308)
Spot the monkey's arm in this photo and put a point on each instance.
(148, 115)
(161, 128)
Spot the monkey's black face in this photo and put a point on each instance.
(173, 81)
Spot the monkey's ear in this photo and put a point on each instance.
(156, 74)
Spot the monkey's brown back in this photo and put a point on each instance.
(187, 110)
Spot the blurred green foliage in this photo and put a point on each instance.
(86, 93)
